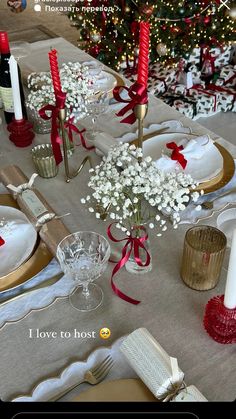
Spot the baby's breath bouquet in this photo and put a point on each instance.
(135, 194)
(76, 81)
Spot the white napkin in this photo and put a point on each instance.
(156, 368)
(103, 142)
(194, 149)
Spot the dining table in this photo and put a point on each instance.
(172, 312)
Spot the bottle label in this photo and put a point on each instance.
(7, 99)
(33, 203)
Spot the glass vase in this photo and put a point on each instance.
(40, 125)
(131, 265)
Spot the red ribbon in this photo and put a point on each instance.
(2, 242)
(55, 137)
(176, 155)
(222, 90)
(230, 79)
(132, 243)
(71, 127)
(199, 88)
(138, 96)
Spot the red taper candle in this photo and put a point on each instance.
(143, 58)
(55, 71)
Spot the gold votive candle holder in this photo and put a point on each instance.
(203, 255)
(44, 160)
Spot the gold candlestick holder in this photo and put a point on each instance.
(140, 112)
(69, 175)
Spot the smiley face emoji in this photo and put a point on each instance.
(105, 333)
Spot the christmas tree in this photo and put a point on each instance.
(109, 30)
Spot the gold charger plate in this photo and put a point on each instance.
(39, 259)
(225, 175)
(125, 390)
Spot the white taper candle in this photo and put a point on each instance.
(15, 88)
(230, 289)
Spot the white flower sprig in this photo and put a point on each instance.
(75, 81)
(136, 193)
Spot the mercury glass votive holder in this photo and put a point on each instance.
(203, 255)
(44, 160)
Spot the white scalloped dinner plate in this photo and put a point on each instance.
(201, 170)
(20, 238)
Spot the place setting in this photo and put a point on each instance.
(110, 214)
(135, 368)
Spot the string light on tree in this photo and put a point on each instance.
(171, 23)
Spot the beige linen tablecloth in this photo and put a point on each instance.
(172, 312)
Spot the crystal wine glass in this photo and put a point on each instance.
(96, 106)
(84, 256)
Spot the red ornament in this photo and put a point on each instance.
(146, 10)
(207, 19)
(2, 242)
(164, 27)
(175, 29)
(188, 20)
(94, 51)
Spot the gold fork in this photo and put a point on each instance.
(93, 376)
(209, 204)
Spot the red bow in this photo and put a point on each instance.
(71, 127)
(132, 243)
(55, 137)
(2, 242)
(138, 95)
(176, 155)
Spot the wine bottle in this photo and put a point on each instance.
(5, 80)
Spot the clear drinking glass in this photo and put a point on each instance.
(84, 256)
(204, 249)
(96, 106)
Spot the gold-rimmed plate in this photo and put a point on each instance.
(222, 178)
(124, 390)
(38, 260)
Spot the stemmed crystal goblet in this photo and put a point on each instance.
(84, 256)
(96, 106)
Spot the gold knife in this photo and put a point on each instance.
(43, 284)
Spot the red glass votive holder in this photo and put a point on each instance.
(220, 321)
(21, 133)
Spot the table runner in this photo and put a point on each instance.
(172, 312)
